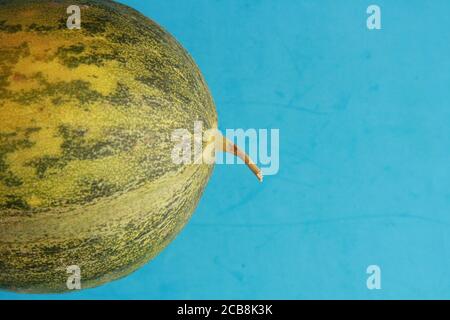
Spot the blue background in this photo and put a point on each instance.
(364, 148)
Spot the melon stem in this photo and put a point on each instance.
(225, 145)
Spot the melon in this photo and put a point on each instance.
(86, 174)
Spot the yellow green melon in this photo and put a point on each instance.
(86, 175)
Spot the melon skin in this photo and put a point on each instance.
(86, 175)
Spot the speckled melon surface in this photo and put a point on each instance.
(86, 117)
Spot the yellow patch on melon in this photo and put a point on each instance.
(34, 201)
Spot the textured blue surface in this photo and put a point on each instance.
(364, 148)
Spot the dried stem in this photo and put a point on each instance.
(225, 145)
